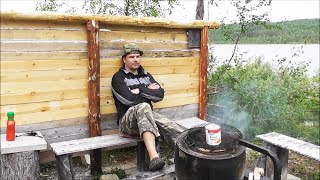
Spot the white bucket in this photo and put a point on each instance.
(213, 134)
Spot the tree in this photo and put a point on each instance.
(247, 17)
(200, 6)
(200, 10)
(142, 8)
(48, 5)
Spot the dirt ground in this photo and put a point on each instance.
(122, 160)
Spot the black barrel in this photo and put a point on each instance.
(201, 166)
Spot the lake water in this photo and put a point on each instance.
(272, 52)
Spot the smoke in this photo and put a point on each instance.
(225, 110)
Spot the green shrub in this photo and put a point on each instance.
(258, 98)
(119, 172)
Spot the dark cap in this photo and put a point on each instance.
(131, 48)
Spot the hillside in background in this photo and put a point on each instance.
(304, 31)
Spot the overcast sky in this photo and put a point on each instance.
(278, 11)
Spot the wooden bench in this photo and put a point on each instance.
(64, 150)
(281, 144)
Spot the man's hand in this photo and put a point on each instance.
(135, 91)
(154, 86)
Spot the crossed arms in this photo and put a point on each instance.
(138, 93)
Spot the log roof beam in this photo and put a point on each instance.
(108, 19)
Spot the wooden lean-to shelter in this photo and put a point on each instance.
(56, 70)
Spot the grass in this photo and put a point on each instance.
(298, 165)
(119, 172)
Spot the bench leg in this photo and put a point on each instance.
(266, 163)
(95, 162)
(142, 157)
(283, 157)
(64, 166)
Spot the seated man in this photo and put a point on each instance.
(133, 90)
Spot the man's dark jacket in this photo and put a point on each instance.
(122, 84)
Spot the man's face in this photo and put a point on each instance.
(132, 61)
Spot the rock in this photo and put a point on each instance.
(109, 177)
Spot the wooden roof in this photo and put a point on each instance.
(115, 20)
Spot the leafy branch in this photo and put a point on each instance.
(246, 20)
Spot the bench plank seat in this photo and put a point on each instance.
(86, 144)
(114, 140)
(289, 143)
(64, 150)
(191, 122)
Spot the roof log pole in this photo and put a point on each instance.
(203, 72)
(94, 92)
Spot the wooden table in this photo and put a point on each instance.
(20, 158)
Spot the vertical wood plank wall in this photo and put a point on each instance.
(44, 73)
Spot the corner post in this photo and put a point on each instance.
(203, 72)
(94, 92)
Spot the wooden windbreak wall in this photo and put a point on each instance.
(44, 73)
(43, 70)
(166, 56)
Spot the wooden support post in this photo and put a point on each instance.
(21, 165)
(94, 92)
(203, 72)
(64, 166)
(142, 157)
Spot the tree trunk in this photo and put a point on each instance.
(21, 165)
(126, 8)
(200, 10)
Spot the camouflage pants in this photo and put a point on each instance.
(140, 118)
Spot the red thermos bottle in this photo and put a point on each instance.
(11, 127)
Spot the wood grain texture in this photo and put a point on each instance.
(34, 65)
(89, 144)
(157, 53)
(77, 128)
(39, 56)
(45, 63)
(144, 45)
(22, 165)
(29, 24)
(115, 20)
(73, 108)
(141, 29)
(292, 144)
(155, 61)
(40, 96)
(42, 46)
(94, 89)
(23, 143)
(42, 35)
(166, 36)
(41, 86)
(112, 140)
(203, 73)
(44, 75)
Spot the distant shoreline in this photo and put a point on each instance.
(297, 53)
(303, 31)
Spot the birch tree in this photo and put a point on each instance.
(137, 8)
